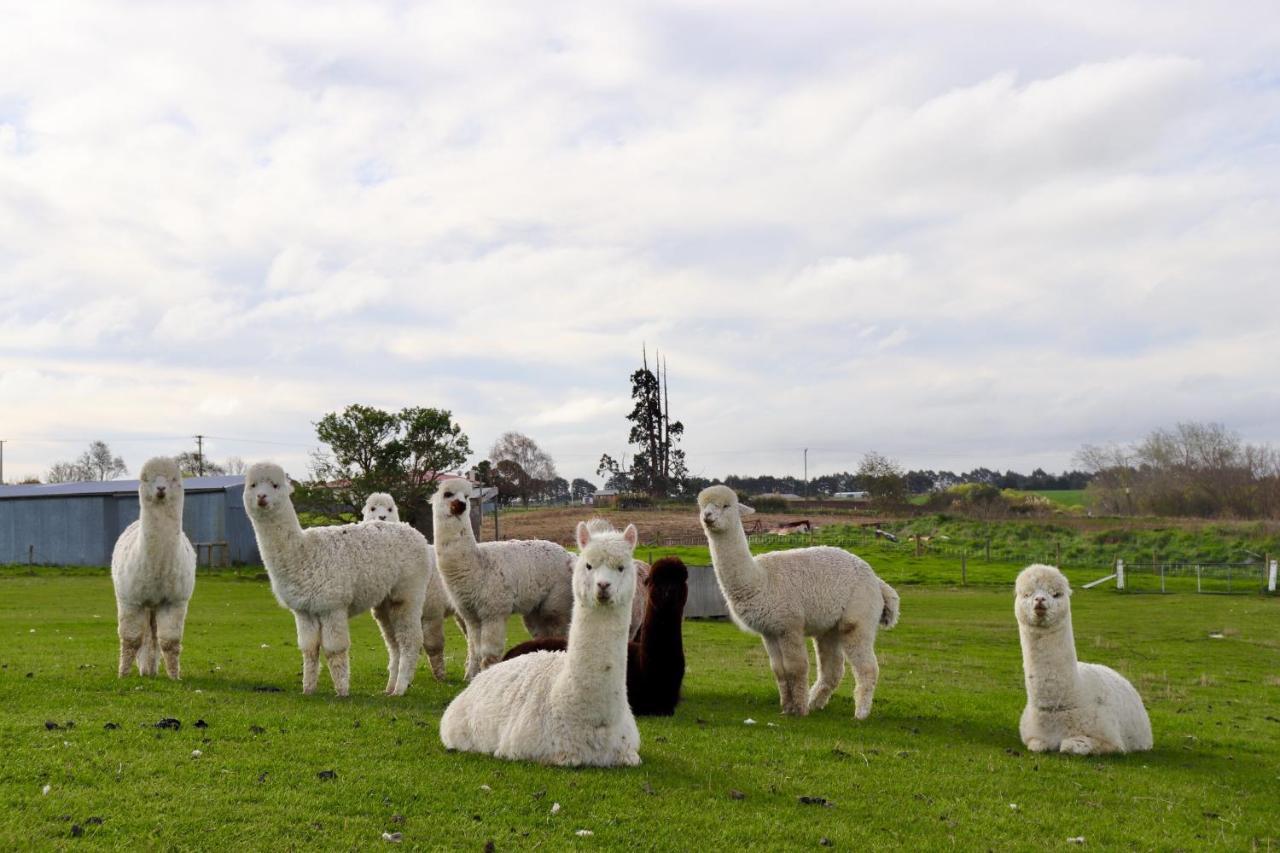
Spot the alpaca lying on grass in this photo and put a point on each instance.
(1081, 708)
(566, 708)
(825, 593)
(327, 574)
(436, 606)
(655, 659)
(153, 569)
(488, 582)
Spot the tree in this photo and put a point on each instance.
(883, 478)
(370, 450)
(96, 463)
(658, 466)
(536, 468)
(189, 464)
(235, 465)
(581, 489)
(557, 490)
(616, 476)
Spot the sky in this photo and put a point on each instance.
(958, 238)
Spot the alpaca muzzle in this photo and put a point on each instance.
(262, 501)
(457, 507)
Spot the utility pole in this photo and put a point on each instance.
(199, 455)
(806, 472)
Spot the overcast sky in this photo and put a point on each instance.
(957, 239)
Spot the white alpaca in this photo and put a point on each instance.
(436, 607)
(1082, 708)
(640, 602)
(490, 581)
(153, 568)
(326, 574)
(785, 596)
(565, 708)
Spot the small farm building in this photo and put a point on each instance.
(77, 524)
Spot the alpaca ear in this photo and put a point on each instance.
(631, 535)
(743, 509)
(584, 535)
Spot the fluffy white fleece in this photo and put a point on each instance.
(639, 603)
(326, 574)
(785, 596)
(1081, 708)
(153, 568)
(565, 708)
(488, 582)
(436, 607)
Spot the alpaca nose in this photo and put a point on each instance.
(1040, 602)
(706, 516)
(160, 490)
(262, 500)
(604, 589)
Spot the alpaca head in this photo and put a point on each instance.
(1042, 597)
(604, 575)
(160, 483)
(380, 506)
(266, 489)
(668, 583)
(453, 497)
(719, 509)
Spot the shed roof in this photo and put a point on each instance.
(114, 487)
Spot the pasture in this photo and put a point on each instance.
(938, 764)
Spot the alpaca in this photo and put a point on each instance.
(655, 660)
(153, 569)
(327, 574)
(380, 506)
(1081, 708)
(571, 708)
(436, 607)
(488, 582)
(824, 593)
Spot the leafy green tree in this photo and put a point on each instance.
(370, 450)
(883, 478)
(581, 489)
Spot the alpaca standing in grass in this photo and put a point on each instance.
(488, 582)
(824, 593)
(436, 606)
(1081, 708)
(565, 708)
(655, 659)
(153, 569)
(327, 574)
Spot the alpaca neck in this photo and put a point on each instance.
(282, 537)
(160, 523)
(1049, 665)
(661, 629)
(596, 668)
(740, 574)
(455, 542)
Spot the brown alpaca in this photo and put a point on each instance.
(655, 659)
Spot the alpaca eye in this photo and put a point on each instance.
(1057, 595)
(275, 485)
(588, 567)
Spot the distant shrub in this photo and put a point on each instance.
(774, 505)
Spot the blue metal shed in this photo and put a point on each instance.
(77, 524)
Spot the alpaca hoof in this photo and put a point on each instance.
(862, 713)
(817, 703)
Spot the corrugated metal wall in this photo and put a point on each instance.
(82, 530)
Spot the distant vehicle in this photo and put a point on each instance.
(852, 496)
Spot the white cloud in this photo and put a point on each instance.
(959, 237)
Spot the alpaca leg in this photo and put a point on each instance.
(169, 623)
(309, 643)
(433, 644)
(131, 623)
(1084, 745)
(382, 615)
(407, 623)
(335, 639)
(148, 654)
(473, 649)
(830, 669)
(790, 662)
(493, 641)
(860, 648)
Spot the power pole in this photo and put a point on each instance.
(806, 472)
(199, 455)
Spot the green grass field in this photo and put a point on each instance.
(938, 764)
